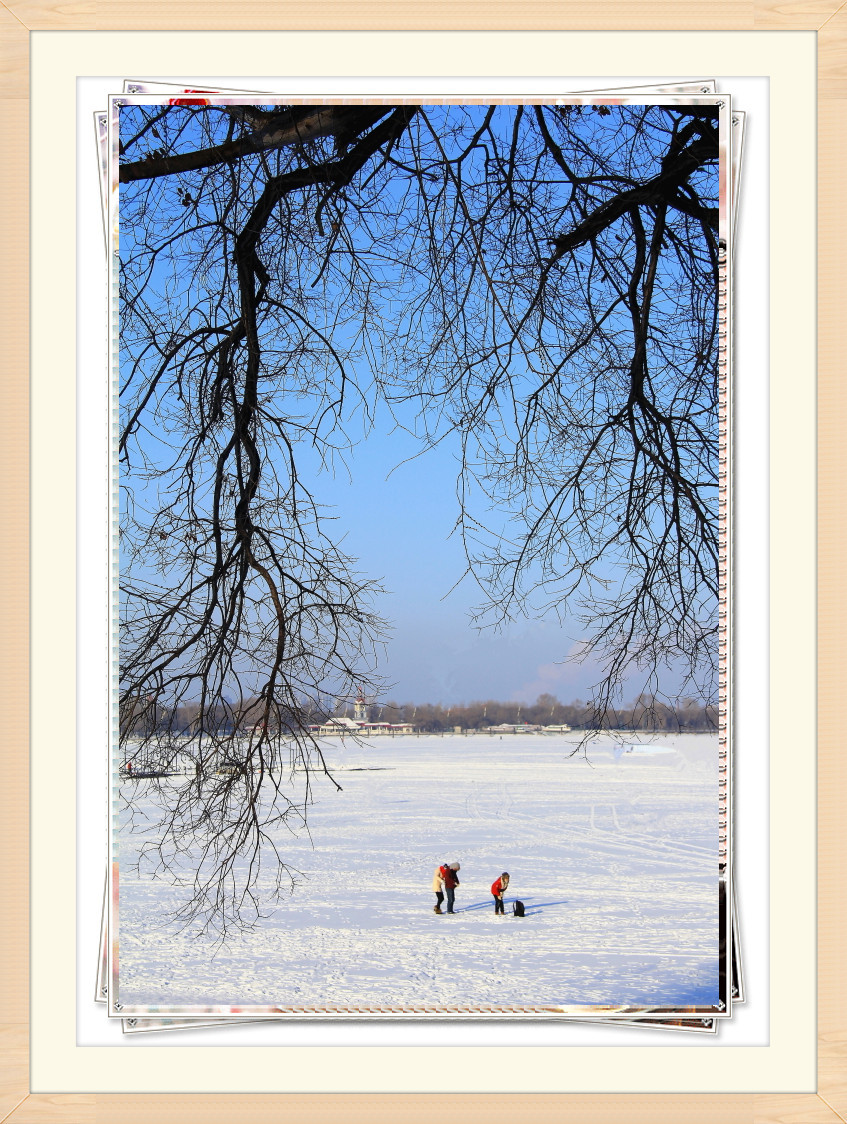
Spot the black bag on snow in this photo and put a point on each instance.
(517, 909)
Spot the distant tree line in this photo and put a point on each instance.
(645, 713)
(221, 720)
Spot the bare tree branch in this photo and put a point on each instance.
(289, 126)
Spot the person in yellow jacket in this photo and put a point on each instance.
(438, 887)
(445, 879)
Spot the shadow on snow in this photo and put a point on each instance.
(530, 907)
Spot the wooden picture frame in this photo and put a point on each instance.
(17, 1104)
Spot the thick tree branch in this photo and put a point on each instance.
(344, 122)
(661, 189)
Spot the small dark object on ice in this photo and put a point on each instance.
(517, 909)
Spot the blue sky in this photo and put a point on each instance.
(397, 524)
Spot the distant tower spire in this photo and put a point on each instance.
(360, 713)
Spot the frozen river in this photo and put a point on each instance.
(614, 858)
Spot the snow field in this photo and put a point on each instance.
(616, 862)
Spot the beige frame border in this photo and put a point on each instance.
(829, 1104)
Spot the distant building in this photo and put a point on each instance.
(344, 726)
(514, 728)
(372, 728)
(336, 726)
(360, 708)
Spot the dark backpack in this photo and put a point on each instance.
(517, 909)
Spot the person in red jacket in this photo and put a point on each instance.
(498, 888)
(451, 881)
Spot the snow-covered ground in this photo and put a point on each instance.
(615, 860)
